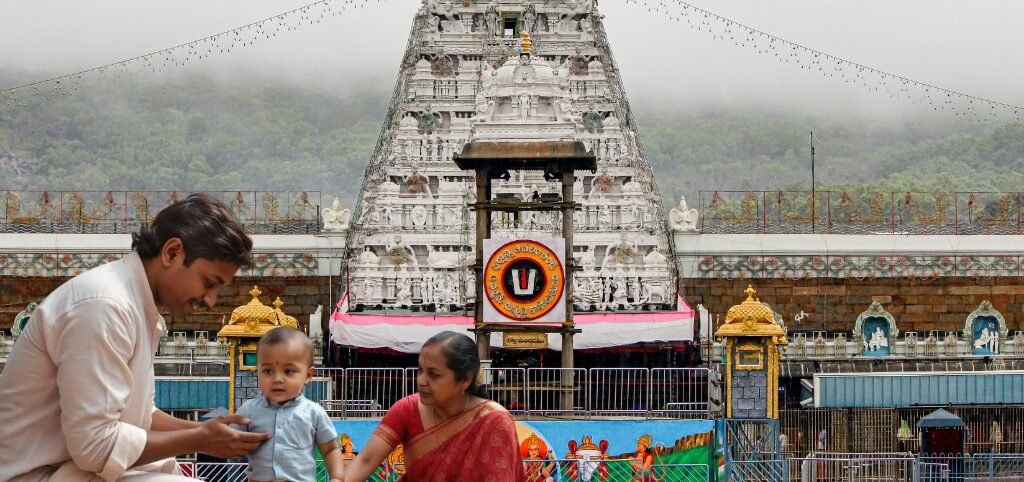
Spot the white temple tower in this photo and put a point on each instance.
(506, 71)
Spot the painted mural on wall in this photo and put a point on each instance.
(592, 451)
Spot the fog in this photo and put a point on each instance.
(971, 47)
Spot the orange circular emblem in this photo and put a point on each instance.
(523, 280)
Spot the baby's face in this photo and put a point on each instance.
(283, 370)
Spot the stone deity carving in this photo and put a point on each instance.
(403, 291)
(682, 218)
(491, 18)
(449, 19)
(401, 253)
(877, 340)
(524, 104)
(484, 108)
(529, 18)
(587, 260)
(336, 219)
(619, 252)
(470, 286)
(655, 259)
(604, 216)
(565, 111)
(988, 340)
(621, 294)
(368, 257)
(439, 258)
(418, 216)
(427, 286)
(418, 183)
(600, 185)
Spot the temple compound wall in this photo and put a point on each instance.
(301, 294)
(833, 304)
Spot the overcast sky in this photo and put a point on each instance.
(974, 47)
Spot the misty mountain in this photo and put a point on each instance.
(197, 133)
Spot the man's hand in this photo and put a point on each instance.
(216, 438)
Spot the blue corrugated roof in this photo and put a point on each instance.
(909, 389)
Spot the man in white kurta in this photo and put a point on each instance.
(76, 394)
(96, 336)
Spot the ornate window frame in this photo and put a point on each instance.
(746, 349)
(985, 308)
(875, 311)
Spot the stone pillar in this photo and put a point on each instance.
(752, 341)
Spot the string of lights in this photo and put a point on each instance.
(722, 28)
(178, 55)
(828, 65)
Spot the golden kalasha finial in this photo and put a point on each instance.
(750, 292)
(255, 292)
(278, 303)
(526, 43)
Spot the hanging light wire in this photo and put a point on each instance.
(166, 52)
(687, 9)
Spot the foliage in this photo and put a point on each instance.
(194, 133)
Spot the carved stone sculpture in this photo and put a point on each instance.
(336, 219)
(682, 218)
(403, 291)
(401, 253)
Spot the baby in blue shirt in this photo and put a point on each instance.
(284, 359)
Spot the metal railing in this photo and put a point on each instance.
(543, 392)
(557, 469)
(115, 212)
(879, 467)
(852, 468)
(844, 212)
(990, 429)
(989, 467)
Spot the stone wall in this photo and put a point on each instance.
(749, 394)
(300, 295)
(834, 304)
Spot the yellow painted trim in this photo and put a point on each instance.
(728, 376)
(750, 348)
(773, 381)
(242, 350)
(231, 377)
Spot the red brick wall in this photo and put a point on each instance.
(917, 305)
(300, 295)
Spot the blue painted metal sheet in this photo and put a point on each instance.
(909, 389)
(202, 393)
(191, 393)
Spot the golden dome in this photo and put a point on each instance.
(253, 319)
(282, 318)
(750, 318)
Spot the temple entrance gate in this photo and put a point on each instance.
(494, 160)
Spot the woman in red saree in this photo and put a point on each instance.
(449, 431)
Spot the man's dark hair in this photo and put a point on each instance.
(286, 334)
(206, 227)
